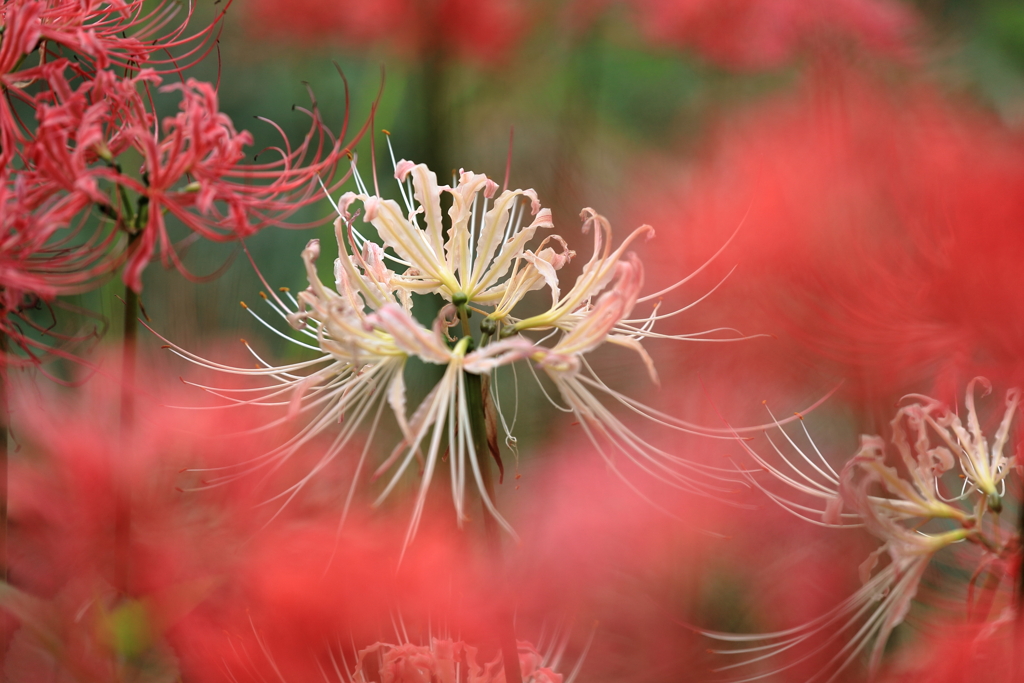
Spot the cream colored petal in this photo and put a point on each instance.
(348, 279)
(531, 272)
(597, 273)
(409, 242)
(593, 329)
(428, 194)
(396, 399)
(493, 230)
(511, 250)
(465, 194)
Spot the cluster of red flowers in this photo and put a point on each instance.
(79, 82)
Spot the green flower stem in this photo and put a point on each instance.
(478, 425)
(122, 504)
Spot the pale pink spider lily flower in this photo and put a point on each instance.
(391, 335)
(868, 615)
(984, 466)
(364, 330)
(904, 508)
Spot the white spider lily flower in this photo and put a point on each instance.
(465, 261)
(364, 331)
(905, 508)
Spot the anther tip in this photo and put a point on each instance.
(263, 295)
(385, 131)
(284, 289)
(243, 304)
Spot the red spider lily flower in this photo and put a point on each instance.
(81, 132)
(67, 155)
(880, 232)
(482, 32)
(193, 171)
(121, 34)
(199, 142)
(46, 250)
(52, 245)
(764, 34)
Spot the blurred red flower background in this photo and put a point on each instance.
(843, 178)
